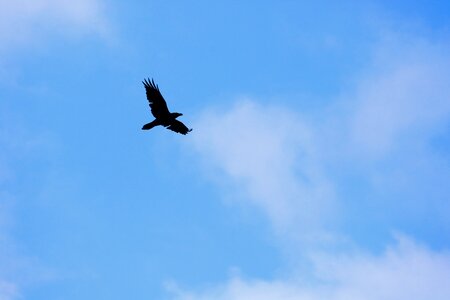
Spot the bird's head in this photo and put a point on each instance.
(176, 115)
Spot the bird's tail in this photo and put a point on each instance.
(150, 125)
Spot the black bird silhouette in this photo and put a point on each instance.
(159, 109)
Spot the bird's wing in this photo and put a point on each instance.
(179, 127)
(156, 101)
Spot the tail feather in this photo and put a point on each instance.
(150, 125)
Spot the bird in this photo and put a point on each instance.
(160, 111)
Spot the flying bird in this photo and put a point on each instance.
(158, 107)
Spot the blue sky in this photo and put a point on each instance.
(317, 167)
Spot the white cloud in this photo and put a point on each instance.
(17, 269)
(290, 169)
(8, 288)
(269, 153)
(403, 272)
(8, 291)
(381, 130)
(27, 21)
(405, 96)
(395, 114)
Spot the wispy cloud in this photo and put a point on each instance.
(17, 268)
(405, 95)
(381, 130)
(404, 271)
(8, 287)
(270, 154)
(393, 120)
(27, 21)
(8, 291)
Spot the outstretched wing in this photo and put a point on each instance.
(179, 127)
(156, 101)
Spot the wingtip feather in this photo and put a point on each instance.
(150, 83)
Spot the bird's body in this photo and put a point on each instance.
(160, 111)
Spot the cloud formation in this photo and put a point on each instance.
(8, 291)
(406, 92)
(270, 154)
(8, 288)
(380, 131)
(404, 271)
(17, 268)
(26, 21)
